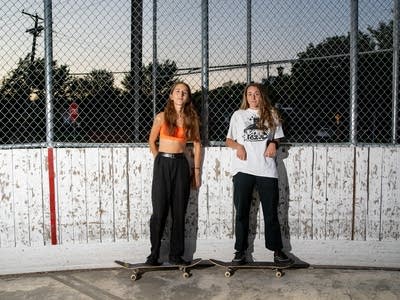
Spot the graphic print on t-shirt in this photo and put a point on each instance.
(252, 134)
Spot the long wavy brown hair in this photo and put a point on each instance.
(268, 113)
(191, 122)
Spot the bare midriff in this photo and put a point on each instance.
(171, 146)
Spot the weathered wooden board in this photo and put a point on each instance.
(64, 197)
(71, 196)
(227, 193)
(140, 171)
(296, 192)
(93, 194)
(319, 193)
(34, 175)
(107, 229)
(20, 195)
(361, 194)
(120, 193)
(390, 212)
(213, 192)
(373, 230)
(135, 158)
(104, 195)
(7, 208)
(21, 200)
(340, 172)
(78, 193)
(220, 207)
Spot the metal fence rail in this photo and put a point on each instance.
(96, 72)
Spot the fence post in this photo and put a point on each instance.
(136, 60)
(48, 48)
(248, 43)
(204, 71)
(395, 80)
(155, 60)
(353, 70)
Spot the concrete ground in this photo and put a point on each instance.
(206, 282)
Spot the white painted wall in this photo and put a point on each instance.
(338, 205)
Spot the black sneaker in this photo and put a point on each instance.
(281, 258)
(152, 261)
(177, 260)
(239, 258)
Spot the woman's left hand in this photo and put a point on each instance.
(196, 179)
(271, 150)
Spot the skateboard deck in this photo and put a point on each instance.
(231, 267)
(139, 268)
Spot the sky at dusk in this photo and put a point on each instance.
(95, 34)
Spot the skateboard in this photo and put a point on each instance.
(140, 268)
(231, 267)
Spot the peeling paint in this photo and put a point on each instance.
(105, 195)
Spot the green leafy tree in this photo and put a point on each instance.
(22, 101)
(383, 35)
(320, 85)
(166, 76)
(375, 88)
(102, 113)
(223, 101)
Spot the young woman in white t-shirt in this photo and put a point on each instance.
(254, 133)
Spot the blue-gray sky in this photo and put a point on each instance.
(95, 34)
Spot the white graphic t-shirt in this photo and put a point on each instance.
(243, 129)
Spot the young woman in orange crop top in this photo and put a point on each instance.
(173, 128)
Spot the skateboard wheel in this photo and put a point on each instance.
(134, 276)
(186, 275)
(228, 274)
(278, 274)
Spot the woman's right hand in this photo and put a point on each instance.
(241, 152)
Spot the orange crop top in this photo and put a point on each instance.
(179, 135)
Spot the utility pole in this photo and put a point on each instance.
(35, 31)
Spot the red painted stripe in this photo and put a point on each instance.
(53, 223)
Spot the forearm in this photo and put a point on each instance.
(153, 147)
(239, 148)
(272, 148)
(197, 155)
(232, 144)
(154, 134)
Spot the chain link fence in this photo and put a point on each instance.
(114, 62)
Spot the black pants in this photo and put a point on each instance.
(243, 185)
(170, 189)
